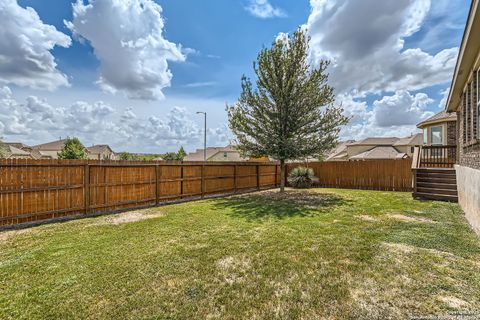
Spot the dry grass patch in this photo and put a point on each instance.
(131, 216)
(404, 218)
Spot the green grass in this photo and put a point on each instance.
(331, 254)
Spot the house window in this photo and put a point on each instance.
(425, 136)
(436, 135)
(224, 154)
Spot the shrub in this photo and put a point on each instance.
(302, 177)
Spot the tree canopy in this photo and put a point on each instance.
(290, 112)
(72, 149)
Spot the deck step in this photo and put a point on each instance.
(437, 175)
(448, 192)
(436, 185)
(436, 170)
(436, 180)
(430, 196)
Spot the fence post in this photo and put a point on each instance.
(258, 177)
(157, 185)
(181, 181)
(276, 173)
(87, 188)
(235, 179)
(203, 180)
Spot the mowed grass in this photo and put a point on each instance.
(325, 254)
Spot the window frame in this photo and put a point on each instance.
(425, 136)
(441, 135)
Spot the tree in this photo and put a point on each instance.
(175, 156)
(126, 156)
(290, 113)
(181, 153)
(3, 149)
(73, 149)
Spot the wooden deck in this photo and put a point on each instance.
(434, 176)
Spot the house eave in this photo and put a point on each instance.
(468, 58)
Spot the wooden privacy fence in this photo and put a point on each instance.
(35, 190)
(388, 175)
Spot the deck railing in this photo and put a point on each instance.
(437, 156)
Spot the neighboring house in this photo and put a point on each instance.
(16, 153)
(440, 129)
(464, 100)
(101, 152)
(20, 146)
(339, 153)
(376, 148)
(407, 145)
(380, 153)
(379, 148)
(228, 153)
(48, 150)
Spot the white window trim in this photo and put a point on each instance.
(442, 135)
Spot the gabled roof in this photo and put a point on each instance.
(440, 117)
(18, 145)
(51, 146)
(340, 151)
(99, 148)
(415, 140)
(14, 151)
(211, 151)
(376, 141)
(380, 153)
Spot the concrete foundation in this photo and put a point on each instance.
(468, 181)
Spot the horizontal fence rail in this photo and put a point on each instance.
(386, 175)
(37, 190)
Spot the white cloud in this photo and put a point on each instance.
(127, 38)
(263, 9)
(25, 45)
(401, 109)
(365, 41)
(393, 115)
(36, 121)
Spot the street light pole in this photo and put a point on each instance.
(204, 135)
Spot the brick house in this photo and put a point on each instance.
(440, 129)
(464, 100)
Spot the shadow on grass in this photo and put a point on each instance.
(276, 205)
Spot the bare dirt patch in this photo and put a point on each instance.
(454, 302)
(9, 234)
(234, 269)
(404, 218)
(368, 218)
(131, 216)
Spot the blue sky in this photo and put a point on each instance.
(391, 65)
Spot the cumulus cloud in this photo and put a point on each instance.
(401, 109)
(127, 38)
(25, 45)
(36, 121)
(392, 115)
(264, 9)
(365, 41)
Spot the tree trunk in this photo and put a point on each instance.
(282, 175)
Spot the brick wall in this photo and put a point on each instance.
(469, 147)
(451, 133)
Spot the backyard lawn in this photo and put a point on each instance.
(321, 254)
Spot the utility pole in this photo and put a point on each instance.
(204, 135)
